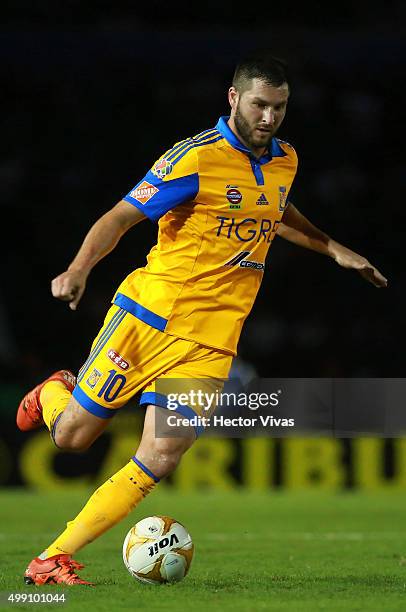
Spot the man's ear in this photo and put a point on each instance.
(233, 97)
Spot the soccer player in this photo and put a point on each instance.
(219, 198)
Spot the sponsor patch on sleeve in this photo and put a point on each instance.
(144, 192)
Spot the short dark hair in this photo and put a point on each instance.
(264, 66)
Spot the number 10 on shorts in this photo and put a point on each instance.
(112, 386)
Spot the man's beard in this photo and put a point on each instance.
(246, 132)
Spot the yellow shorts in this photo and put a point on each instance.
(128, 356)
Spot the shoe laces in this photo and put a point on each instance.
(67, 571)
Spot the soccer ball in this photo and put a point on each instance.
(158, 549)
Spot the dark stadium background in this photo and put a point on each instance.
(93, 94)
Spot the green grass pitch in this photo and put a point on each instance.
(253, 551)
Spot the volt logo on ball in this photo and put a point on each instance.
(153, 550)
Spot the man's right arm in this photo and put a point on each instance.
(101, 239)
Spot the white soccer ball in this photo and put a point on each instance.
(158, 549)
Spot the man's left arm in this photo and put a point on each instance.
(297, 229)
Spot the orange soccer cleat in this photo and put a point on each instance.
(59, 569)
(29, 414)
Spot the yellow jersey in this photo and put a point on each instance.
(218, 208)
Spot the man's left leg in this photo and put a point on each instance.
(117, 497)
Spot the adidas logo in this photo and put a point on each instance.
(262, 200)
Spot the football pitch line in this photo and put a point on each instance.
(308, 535)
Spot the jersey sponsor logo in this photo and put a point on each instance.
(262, 201)
(282, 198)
(247, 263)
(162, 168)
(248, 229)
(234, 196)
(117, 359)
(144, 192)
(94, 378)
(239, 260)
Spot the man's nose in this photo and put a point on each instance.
(268, 116)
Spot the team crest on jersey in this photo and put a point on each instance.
(234, 196)
(144, 192)
(94, 378)
(162, 168)
(282, 199)
(262, 201)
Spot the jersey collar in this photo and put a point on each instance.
(274, 149)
